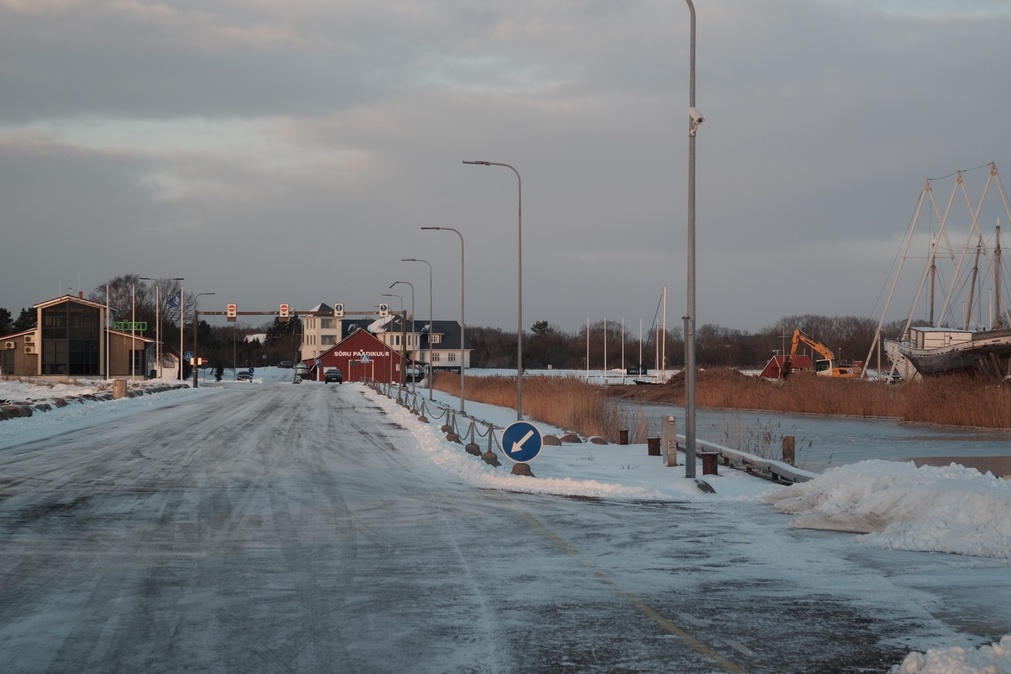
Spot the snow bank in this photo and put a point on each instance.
(992, 659)
(897, 505)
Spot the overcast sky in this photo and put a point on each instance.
(291, 151)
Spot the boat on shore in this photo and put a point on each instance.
(936, 351)
(962, 342)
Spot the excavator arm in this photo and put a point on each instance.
(822, 350)
(826, 365)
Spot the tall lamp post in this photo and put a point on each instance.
(182, 330)
(694, 122)
(463, 324)
(519, 286)
(403, 347)
(157, 317)
(195, 323)
(431, 372)
(414, 377)
(133, 323)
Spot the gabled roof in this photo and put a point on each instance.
(321, 308)
(355, 337)
(349, 325)
(67, 298)
(774, 368)
(136, 337)
(449, 330)
(15, 335)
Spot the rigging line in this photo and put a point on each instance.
(988, 164)
(656, 317)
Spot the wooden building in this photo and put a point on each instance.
(72, 339)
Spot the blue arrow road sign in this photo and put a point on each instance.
(521, 441)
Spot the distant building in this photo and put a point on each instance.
(321, 331)
(73, 339)
(774, 368)
(359, 357)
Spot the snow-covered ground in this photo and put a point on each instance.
(891, 504)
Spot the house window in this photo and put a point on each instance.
(138, 360)
(436, 338)
(451, 357)
(435, 357)
(326, 323)
(328, 340)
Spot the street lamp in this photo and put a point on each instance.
(195, 322)
(403, 347)
(157, 317)
(694, 121)
(463, 325)
(182, 325)
(519, 285)
(431, 372)
(414, 375)
(133, 323)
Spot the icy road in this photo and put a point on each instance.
(281, 528)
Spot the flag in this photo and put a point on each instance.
(175, 299)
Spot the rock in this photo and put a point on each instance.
(704, 486)
(522, 469)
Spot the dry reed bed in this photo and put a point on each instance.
(947, 401)
(571, 403)
(565, 402)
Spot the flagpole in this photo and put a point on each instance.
(182, 303)
(107, 369)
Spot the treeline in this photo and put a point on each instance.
(155, 302)
(602, 344)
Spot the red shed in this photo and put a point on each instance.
(774, 368)
(359, 356)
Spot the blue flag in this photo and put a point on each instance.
(175, 299)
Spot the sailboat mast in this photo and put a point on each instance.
(933, 276)
(972, 286)
(998, 321)
(663, 352)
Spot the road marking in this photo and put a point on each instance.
(648, 611)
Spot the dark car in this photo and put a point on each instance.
(333, 375)
(285, 364)
(244, 375)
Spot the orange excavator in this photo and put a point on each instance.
(826, 366)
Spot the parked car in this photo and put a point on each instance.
(333, 375)
(284, 363)
(244, 375)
